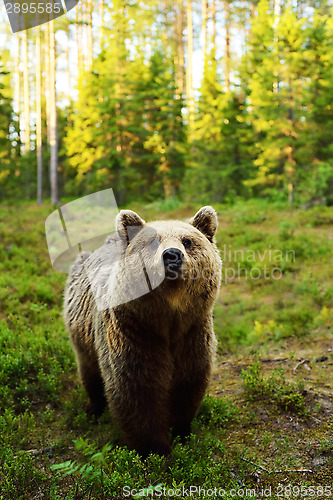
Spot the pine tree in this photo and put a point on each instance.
(128, 121)
(221, 149)
(189, 66)
(39, 148)
(126, 132)
(17, 92)
(226, 6)
(262, 127)
(276, 68)
(53, 125)
(26, 92)
(163, 120)
(317, 179)
(5, 124)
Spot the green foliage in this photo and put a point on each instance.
(273, 286)
(266, 132)
(286, 230)
(131, 128)
(162, 205)
(275, 387)
(217, 412)
(42, 407)
(289, 77)
(18, 476)
(91, 474)
(221, 150)
(319, 57)
(31, 356)
(114, 470)
(5, 124)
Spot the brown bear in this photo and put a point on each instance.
(140, 315)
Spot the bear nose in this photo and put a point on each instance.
(172, 257)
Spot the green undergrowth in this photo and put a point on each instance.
(275, 388)
(252, 422)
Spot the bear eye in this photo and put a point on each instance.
(187, 243)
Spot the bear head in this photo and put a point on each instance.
(173, 260)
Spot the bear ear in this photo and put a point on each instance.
(205, 221)
(128, 224)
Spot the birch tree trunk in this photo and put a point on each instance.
(227, 45)
(189, 66)
(180, 49)
(277, 14)
(89, 34)
(53, 121)
(47, 78)
(68, 64)
(204, 15)
(277, 9)
(101, 7)
(26, 96)
(39, 120)
(79, 13)
(17, 92)
(214, 22)
(165, 30)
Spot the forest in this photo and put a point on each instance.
(202, 100)
(174, 104)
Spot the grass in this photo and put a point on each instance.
(286, 395)
(268, 415)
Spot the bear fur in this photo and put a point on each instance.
(147, 354)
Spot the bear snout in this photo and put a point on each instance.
(172, 259)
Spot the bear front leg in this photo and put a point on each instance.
(185, 401)
(191, 376)
(138, 395)
(92, 381)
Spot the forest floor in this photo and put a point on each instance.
(264, 430)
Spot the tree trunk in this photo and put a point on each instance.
(204, 15)
(214, 22)
(26, 97)
(180, 49)
(68, 64)
(101, 24)
(47, 78)
(39, 120)
(165, 29)
(227, 45)
(53, 121)
(119, 72)
(277, 14)
(189, 66)
(79, 13)
(277, 9)
(17, 92)
(89, 34)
